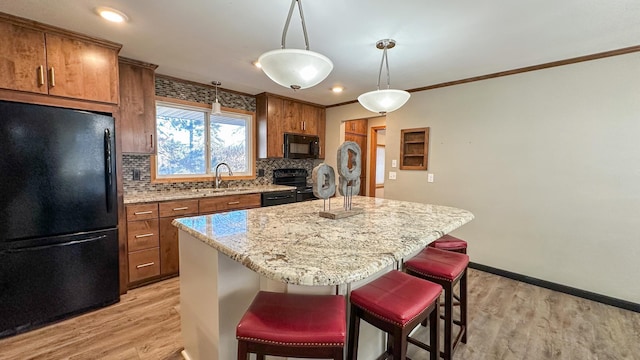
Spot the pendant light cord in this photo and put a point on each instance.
(385, 60)
(304, 26)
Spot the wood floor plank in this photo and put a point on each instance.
(507, 320)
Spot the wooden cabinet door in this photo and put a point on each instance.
(82, 70)
(22, 59)
(356, 127)
(137, 108)
(142, 235)
(310, 116)
(301, 118)
(169, 249)
(275, 127)
(322, 128)
(143, 265)
(293, 117)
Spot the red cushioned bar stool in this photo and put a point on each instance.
(395, 303)
(451, 243)
(446, 268)
(295, 325)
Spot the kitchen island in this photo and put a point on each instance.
(226, 258)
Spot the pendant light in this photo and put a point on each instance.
(295, 68)
(215, 107)
(387, 100)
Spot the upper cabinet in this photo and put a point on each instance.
(277, 116)
(22, 58)
(358, 127)
(137, 106)
(41, 59)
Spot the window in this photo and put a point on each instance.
(380, 164)
(192, 141)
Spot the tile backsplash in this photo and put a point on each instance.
(143, 164)
(184, 90)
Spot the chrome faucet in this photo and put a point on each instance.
(218, 179)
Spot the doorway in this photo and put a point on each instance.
(377, 159)
(356, 131)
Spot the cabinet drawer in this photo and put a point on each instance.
(142, 212)
(144, 264)
(142, 234)
(178, 208)
(231, 202)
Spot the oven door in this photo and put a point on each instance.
(305, 194)
(278, 197)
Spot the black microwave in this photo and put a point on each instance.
(297, 146)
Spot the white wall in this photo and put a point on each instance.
(548, 161)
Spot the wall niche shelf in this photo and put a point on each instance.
(414, 149)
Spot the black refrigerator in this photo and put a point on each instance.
(58, 215)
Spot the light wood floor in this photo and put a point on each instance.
(508, 320)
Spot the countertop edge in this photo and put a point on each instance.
(148, 197)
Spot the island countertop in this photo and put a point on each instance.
(293, 244)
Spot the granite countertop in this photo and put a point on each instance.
(154, 196)
(293, 244)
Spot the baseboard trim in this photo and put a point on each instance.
(623, 304)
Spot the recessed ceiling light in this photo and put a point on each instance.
(257, 64)
(337, 89)
(112, 15)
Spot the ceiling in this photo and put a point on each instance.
(437, 41)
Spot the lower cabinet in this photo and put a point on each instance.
(153, 241)
(144, 264)
(169, 255)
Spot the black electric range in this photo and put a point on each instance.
(297, 178)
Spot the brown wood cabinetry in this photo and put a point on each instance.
(277, 115)
(414, 149)
(153, 240)
(142, 234)
(41, 59)
(137, 106)
(22, 58)
(143, 242)
(356, 131)
(143, 264)
(169, 252)
(226, 203)
(356, 127)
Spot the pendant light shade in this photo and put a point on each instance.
(295, 68)
(387, 100)
(383, 101)
(216, 109)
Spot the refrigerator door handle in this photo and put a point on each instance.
(108, 168)
(37, 248)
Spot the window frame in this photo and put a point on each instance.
(189, 105)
